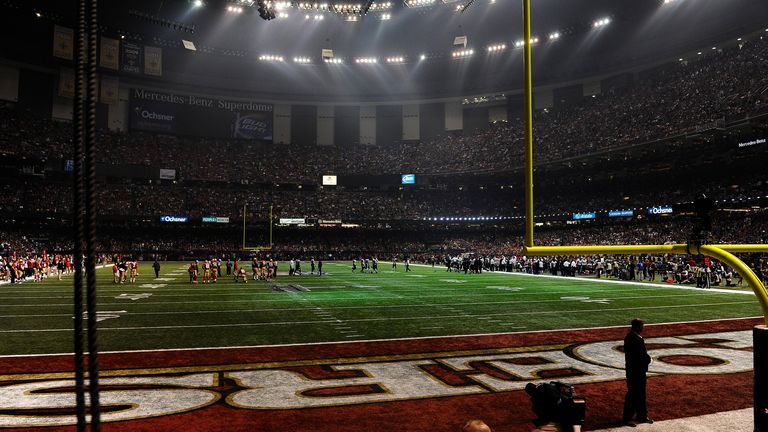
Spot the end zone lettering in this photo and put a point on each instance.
(30, 400)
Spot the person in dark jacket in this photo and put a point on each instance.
(156, 268)
(636, 360)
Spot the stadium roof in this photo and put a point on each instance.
(410, 54)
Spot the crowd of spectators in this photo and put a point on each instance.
(216, 177)
(418, 243)
(149, 200)
(721, 85)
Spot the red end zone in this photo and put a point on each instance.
(417, 384)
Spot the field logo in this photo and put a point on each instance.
(45, 400)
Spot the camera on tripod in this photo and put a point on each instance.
(557, 402)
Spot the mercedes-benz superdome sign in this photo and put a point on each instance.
(174, 219)
(185, 114)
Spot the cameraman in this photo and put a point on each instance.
(546, 405)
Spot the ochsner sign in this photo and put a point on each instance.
(660, 210)
(175, 219)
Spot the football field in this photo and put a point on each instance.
(169, 312)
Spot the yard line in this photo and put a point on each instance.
(453, 316)
(325, 314)
(410, 298)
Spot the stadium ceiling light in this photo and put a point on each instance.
(461, 54)
(385, 17)
(235, 9)
(269, 57)
(197, 3)
(496, 48)
(399, 59)
(601, 22)
(302, 60)
(381, 6)
(423, 57)
(419, 3)
(282, 15)
(334, 60)
(554, 36)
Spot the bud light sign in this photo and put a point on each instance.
(580, 216)
(659, 210)
(252, 126)
(408, 179)
(174, 219)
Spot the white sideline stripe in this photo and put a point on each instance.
(376, 340)
(376, 319)
(609, 281)
(446, 306)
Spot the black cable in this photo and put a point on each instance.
(90, 214)
(77, 212)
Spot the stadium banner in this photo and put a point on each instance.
(153, 61)
(752, 142)
(63, 42)
(660, 210)
(621, 213)
(167, 174)
(292, 221)
(330, 180)
(184, 114)
(109, 90)
(174, 219)
(109, 53)
(66, 83)
(132, 58)
(582, 216)
(215, 219)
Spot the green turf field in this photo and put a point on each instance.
(341, 306)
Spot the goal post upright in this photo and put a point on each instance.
(723, 253)
(267, 247)
(528, 114)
